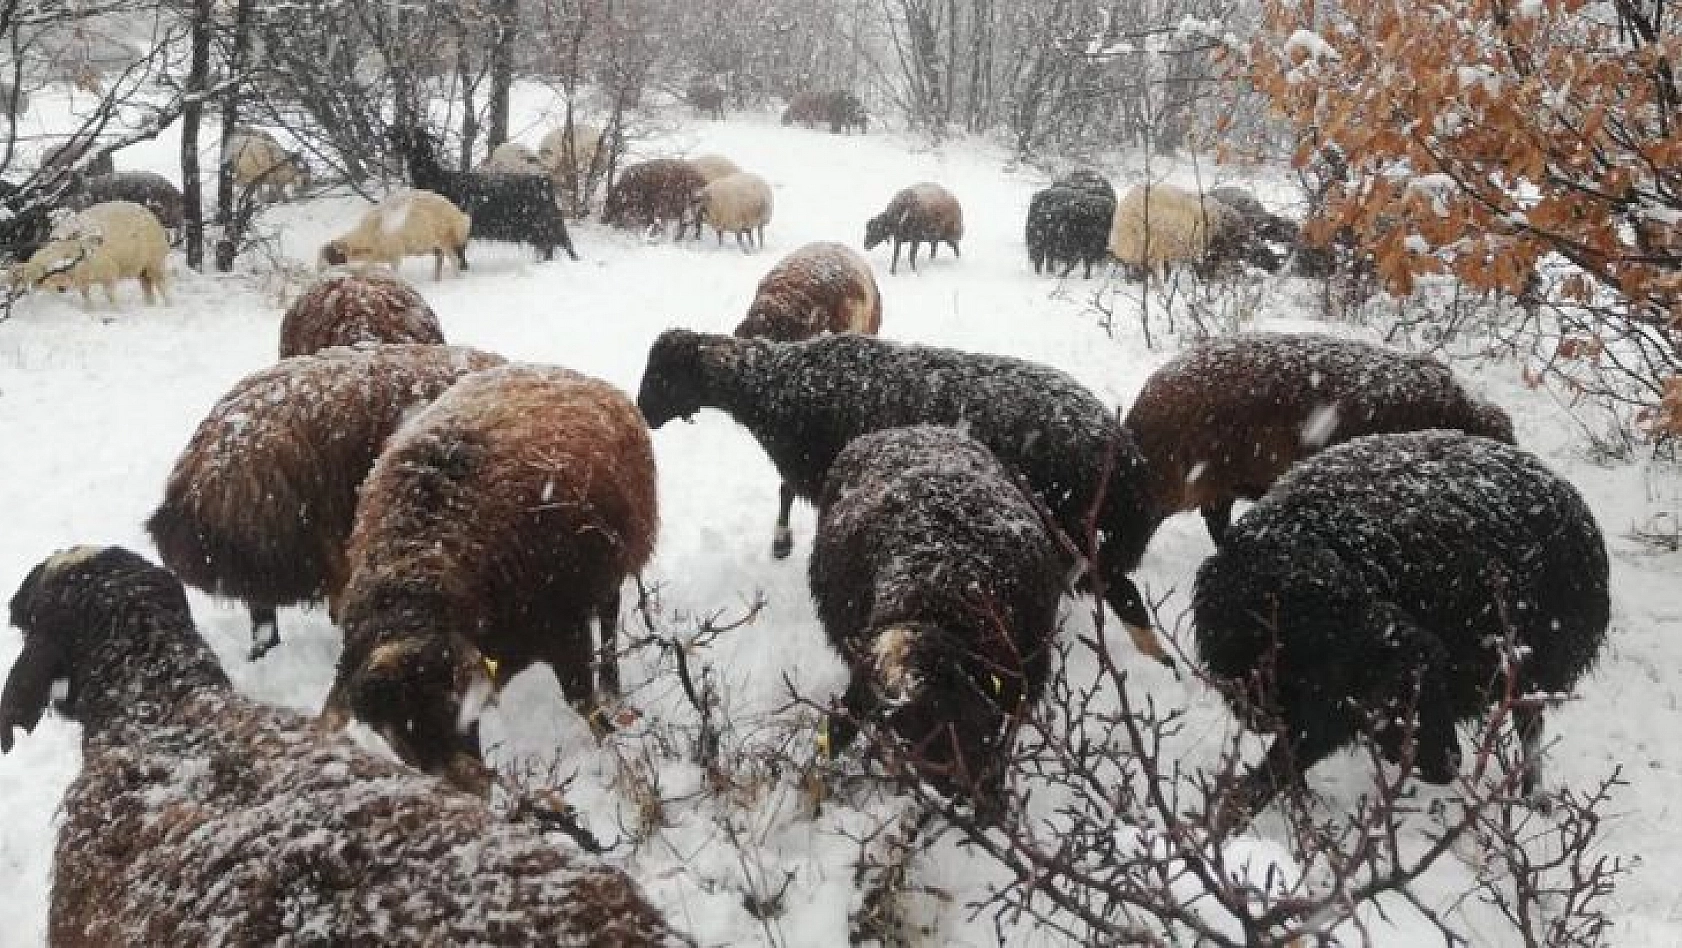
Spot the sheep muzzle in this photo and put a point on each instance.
(29, 687)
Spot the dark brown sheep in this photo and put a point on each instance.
(260, 502)
(369, 306)
(498, 521)
(821, 287)
(201, 817)
(921, 213)
(150, 190)
(840, 110)
(936, 578)
(1225, 418)
(650, 193)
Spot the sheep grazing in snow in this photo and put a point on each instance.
(1225, 418)
(1068, 226)
(1159, 225)
(740, 203)
(496, 523)
(569, 152)
(921, 213)
(261, 166)
(407, 223)
(364, 306)
(1252, 235)
(152, 191)
(513, 158)
(804, 401)
(650, 193)
(936, 579)
(840, 110)
(514, 207)
(1085, 179)
(713, 167)
(260, 503)
(821, 287)
(705, 96)
(1385, 574)
(202, 817)
(115, 240)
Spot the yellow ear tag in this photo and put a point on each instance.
(998, 686)
(822, 740)
(490, 666)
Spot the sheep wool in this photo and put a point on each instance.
(740, 203)
(923, 213)
(1391, 559)
(1222, 420)
(650, 193)
(365, 306)
(107, 242)
(404, 224)
(821, 287)
(201, 817)
(713, 167)
(1158, 225)
(803, 401)
(259, 504)
(934, 575)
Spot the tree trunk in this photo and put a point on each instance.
(230, 218)
(198, 80)
(505, 15)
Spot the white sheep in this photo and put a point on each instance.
(513, 158)
(407, 223)
(261, 164)
(553, 149)
(1158, 225)
(110, 241)
(713, 167)
(740, 203)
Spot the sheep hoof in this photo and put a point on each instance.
(782, 543)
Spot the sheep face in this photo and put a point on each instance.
(878, 229)
(423, 694)
(671, 383)
(64, 608)
(335, 253)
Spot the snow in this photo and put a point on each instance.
(95, 404)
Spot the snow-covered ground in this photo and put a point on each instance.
(95, 405)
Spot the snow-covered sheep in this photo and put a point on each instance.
(1067, 226)
(1222, 420)
(565, 155)
(107, 242)
(650, 193)
(1386, 573)
(1252, 235)
(1157, 226)
(262, 167)
(150, 190)
(713, 167)
(260, 502)
(839, 109)
(804, 401)
(740, 203)
(202, 817)
(496, 523)
(938, 582)
(514, 207)
(407, 223)
(364, 306)
(921, 213)
(513, 158)
(821, 287)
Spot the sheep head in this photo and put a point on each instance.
(672, 383)
(423, 693)
(70, 607)
(335, 253)
(879, 228)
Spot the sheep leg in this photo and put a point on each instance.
(1527, 719)
(858, 701)
(437, 265)
(461, 258)
(955, 251)
(607, 656)
(1129, 605)
(265, 629)
(1066, 270)
(1287, 760)
(893, 265)
(1217, 517)
(782, 539)
(913, 258)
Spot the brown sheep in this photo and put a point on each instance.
(840, 110)
(498, 521)
(201, 817)
(362, 306)
(650, 193)
(821, 287)
(921, 213)
(1226, 418)
(260, 502)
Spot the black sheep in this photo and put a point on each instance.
(804, 401)
(1085, 179)
(520, 208)
(1388, 569)
(152, 191)
(203, 817)
(937, 580)
(1069, 226)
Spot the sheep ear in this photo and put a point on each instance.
(29, 687)
(391, 658)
